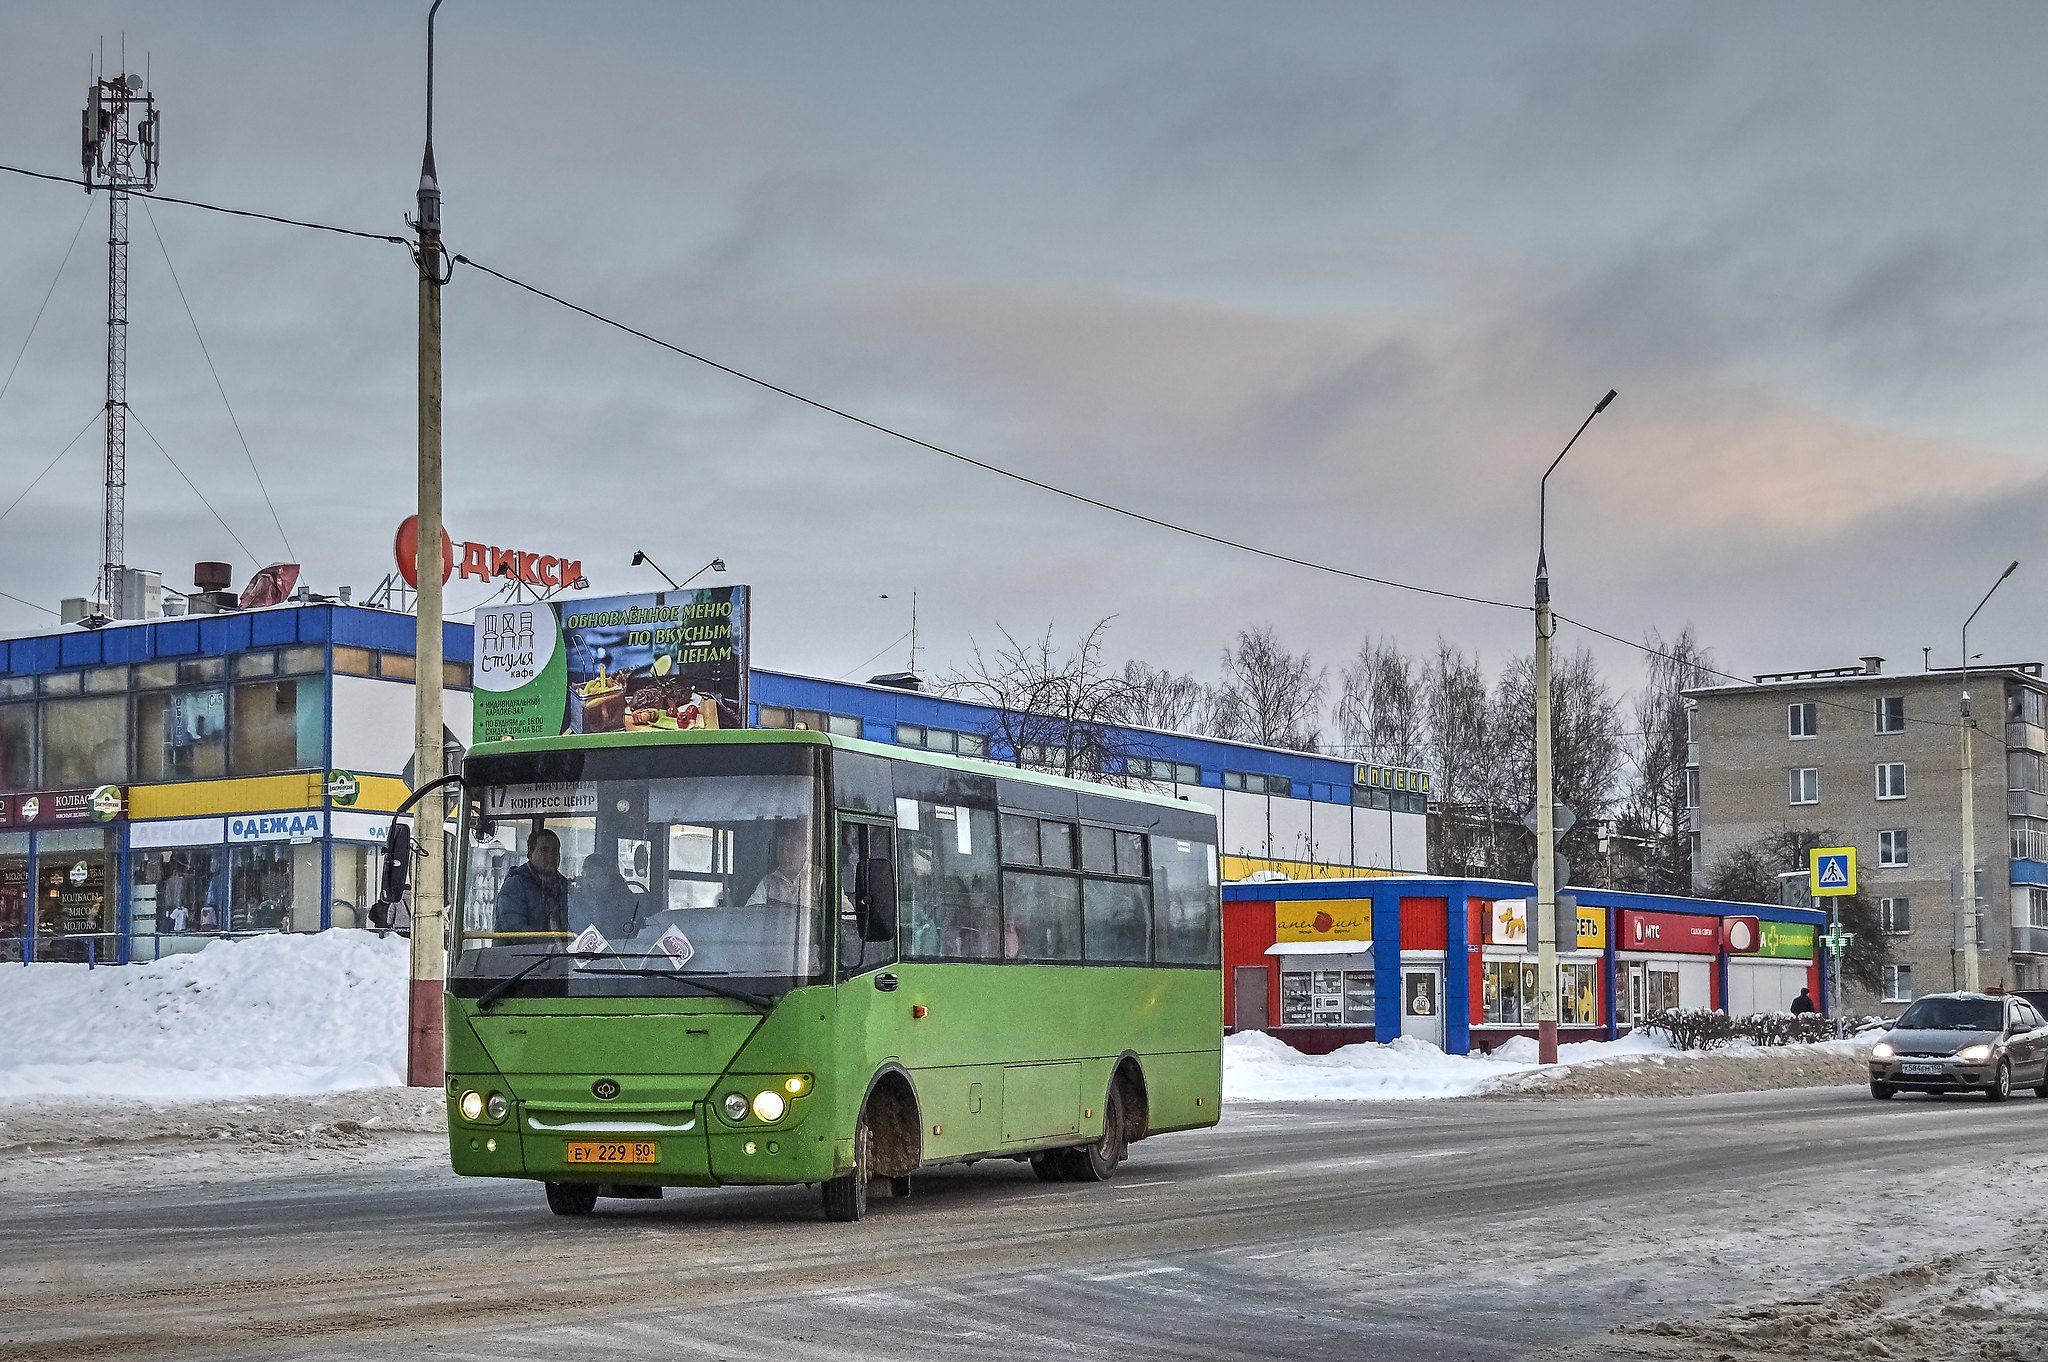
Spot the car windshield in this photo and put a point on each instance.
(1953, 1014)
(633, 883)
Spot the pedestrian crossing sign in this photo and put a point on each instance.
(1832, 871)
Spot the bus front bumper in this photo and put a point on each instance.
(689, 1147)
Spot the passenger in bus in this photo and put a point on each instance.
(534, 897)
(601, 898)
(793, 878)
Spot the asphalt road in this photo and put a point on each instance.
(1468, 1229)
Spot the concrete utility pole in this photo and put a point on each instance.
(1546, 791)
(423, 1059)
(1971, 978)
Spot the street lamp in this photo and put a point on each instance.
(1546, 794)
(1968, 909)
(715, 565)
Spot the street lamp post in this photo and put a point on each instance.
(423, 1056)
(1971, 980)
(715, 565)
(1546, 794)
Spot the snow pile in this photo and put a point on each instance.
(1258, 1068)
(265, 1015)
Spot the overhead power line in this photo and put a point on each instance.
(987, 467)
(33, 605)
(218, 208)
(90, 422)
(860, 667)
(218, 386)
(41, 308)
(194, 486)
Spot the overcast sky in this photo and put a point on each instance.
(1334, 279)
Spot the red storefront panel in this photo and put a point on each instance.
(1247, 931)
(1678, 933)
(1425, 924)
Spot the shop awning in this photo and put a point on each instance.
(1319, 948)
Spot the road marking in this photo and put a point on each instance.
(1134, 1272)
(1254, 1173)
(1261, 1257)
(1156, 1182)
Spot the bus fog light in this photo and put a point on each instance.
(769, 1105)
(471, 1106)
(736, 1106)
(795, 1086)
(495, 1106)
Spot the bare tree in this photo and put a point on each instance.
(1653, 820)
(1053, 708)
(1381, 713)
(1158, 698)
(1458, 722)
(1585, 760)
(1268, 695)
(1749, 874)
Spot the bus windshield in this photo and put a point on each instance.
(609, 873)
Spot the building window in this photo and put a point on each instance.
(397, 666)
(181, 734)
(355, 661)
(1251, 782)
(2025, 706)
(940, 740)
(815, 720)
(1898, 983)
(1888, 714)
(1891, 847)
(1326, 997)
(1802, 720)
(1895, 916)
(2037, 906)
(1804, 785)
(276, 725)
(85, 742)
(1692, 787)
(1174, 772)
(1891, 780)
(256, 664)
(2025, 771)
(18, 747)
(2029, 835)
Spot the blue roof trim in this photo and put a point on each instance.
(1429, 886)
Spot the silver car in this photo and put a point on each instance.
(1963, 1042)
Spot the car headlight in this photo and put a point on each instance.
(495, 1106)
(1882, 1050)
(471, 1106)
(736, 1106)
(1974, 1054)
(768, 1105)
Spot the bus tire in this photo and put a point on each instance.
(846, 1196)
(1097, 1162)
(1050, 1165)
(571, 1198)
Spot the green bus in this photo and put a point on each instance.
(701, 959)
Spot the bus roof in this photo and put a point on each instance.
(733, 736)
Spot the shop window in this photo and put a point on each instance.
(947, 880)
(1186, 919)
(1041, 916)
(1802, 720)
(17, 747)
(354, 661)
(181, 734)
(277, 725)
(1510, 993)
(1898, 983)
(274, 887)
(85, 742)
(256, 664)
(1895, 916)
(75, 895)
(106, 681)
(358, 882)
(1892, 848)
(155, 675)
(302, 661)
(14, 895)
(173, 900)
(1326, 997)
(1578, 993)
(16, 687)
(60, 683)
(456, 675)
(397, 666)
(196, 669)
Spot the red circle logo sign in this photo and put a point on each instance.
(1743, 935)
(407, 550)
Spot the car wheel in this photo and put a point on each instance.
(1881, 1091)
(2001, 1083)
(572, 1198)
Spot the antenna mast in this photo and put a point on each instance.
(118, 150)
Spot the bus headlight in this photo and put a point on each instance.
(769, 1106)
(471, 1106)
(496, 1106)
(736, 1106)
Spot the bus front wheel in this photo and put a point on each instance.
(571, 1198)
(846, 1196)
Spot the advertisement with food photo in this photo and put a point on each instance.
(673, 660)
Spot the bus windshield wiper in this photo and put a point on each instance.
(754, 1000)
(504, 985)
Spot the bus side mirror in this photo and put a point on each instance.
(874, 899)
(397, 862)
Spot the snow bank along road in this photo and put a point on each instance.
(1616, 1228)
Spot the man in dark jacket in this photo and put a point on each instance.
(1803, 1004)
(535, 896)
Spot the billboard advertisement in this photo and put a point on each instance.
(621, 664)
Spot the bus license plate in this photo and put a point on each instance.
(1920, 1069)
(614, 1151)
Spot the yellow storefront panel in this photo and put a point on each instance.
(1323, 920)
(190, 798)
(1237, 868)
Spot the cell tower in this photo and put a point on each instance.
(119, 152)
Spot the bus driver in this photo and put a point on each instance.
(793, 878)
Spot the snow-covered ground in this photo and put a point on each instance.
(260, 1016)
(1258, 1068)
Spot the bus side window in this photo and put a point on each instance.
(1186, 918)
(860, 843)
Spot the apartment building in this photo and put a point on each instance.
(1877, 757)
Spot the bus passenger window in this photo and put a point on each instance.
(1186, 919)
(1119, 924)
(946, 874)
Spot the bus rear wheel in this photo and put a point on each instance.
(571, 1198)
(846, 1196)
(1097, 1162)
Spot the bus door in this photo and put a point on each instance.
(864, 846)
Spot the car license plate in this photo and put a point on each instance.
(614, 1151)
(1921, 1069)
